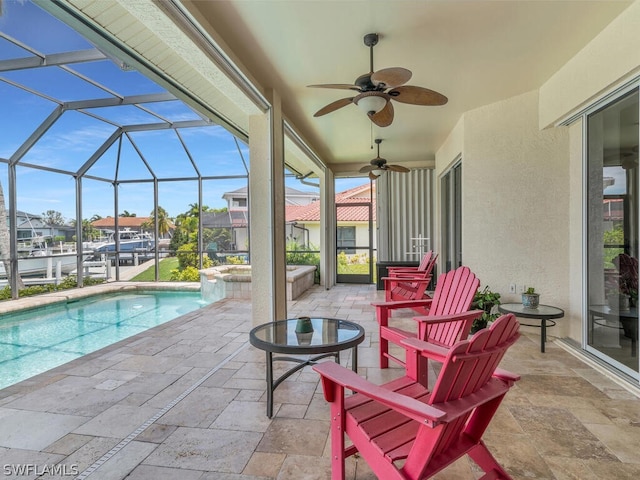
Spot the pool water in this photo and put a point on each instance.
(37, 340)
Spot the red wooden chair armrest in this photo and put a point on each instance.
(402, 269)
(506, 375)
(457, 408)
(416, 274)
(426, 349)
(332, 373)
(423, 302)
(406, 279)
(470, 315)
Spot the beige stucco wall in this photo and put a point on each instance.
(362, 233)
(603, 64)
(447, 155)
(607, 63)
(515, 207)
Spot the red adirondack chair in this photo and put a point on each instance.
(424, 268)
(405, 284)
(446, 318)
(404, 431)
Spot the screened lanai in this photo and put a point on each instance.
(86, 136)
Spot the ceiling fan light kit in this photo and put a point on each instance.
(377, 89)
(374, 174)
(370, 102)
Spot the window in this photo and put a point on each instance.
(346, 239)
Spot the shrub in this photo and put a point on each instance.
(233, 260)
(67, 283)
(300, 255)
(188, 257)
(188, 274)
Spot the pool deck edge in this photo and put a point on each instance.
(25, 303)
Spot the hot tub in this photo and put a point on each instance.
(234, 281)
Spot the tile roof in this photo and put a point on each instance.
(311, 212)
(124, 222)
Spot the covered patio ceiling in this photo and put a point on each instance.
(474, 52)
(226, 57)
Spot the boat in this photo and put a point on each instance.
(130, 242)
(41, 260)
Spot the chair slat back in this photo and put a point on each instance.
(426, 259)
(467, 368)
(454, 293)
(470, 363)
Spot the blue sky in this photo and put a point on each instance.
(74, 138)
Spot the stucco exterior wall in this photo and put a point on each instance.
(604, 63)
(515, 206)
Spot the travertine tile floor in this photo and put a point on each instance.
(186, 400)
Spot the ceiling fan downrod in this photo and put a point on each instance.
(370, 40)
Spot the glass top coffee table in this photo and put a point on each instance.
(546, 313)
(315, 338)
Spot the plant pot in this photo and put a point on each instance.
(304, 325)
(530, 300)
(304, 331)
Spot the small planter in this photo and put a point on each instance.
(304, 331)
(530, 300)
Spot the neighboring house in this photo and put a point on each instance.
(30, 226)
(239, 199)
(303, 222)
(302, 211)
(235, 220)
(236, 217)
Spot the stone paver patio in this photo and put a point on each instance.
(187, 400)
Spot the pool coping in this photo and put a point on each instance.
(45, 299)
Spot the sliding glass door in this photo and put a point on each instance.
(612, 233)
(451, 201)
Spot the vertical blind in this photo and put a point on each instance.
(405, 213)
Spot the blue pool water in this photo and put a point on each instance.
(37, 340)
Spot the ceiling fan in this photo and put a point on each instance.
(377, 89)
(379, 165)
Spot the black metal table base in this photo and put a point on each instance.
(543, 330)
(272, 385)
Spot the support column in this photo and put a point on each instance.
(328, 230)
(267, 217)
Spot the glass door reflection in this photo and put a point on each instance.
(612, 238)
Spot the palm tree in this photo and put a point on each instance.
(163, 221)
(5, 244)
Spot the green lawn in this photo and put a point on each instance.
(149, 275)
(171, 263)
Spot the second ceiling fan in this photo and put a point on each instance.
(377, 89)
(379, 165)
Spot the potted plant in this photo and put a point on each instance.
(485, 300)
(530, 299)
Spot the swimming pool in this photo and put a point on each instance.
(39, 339)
